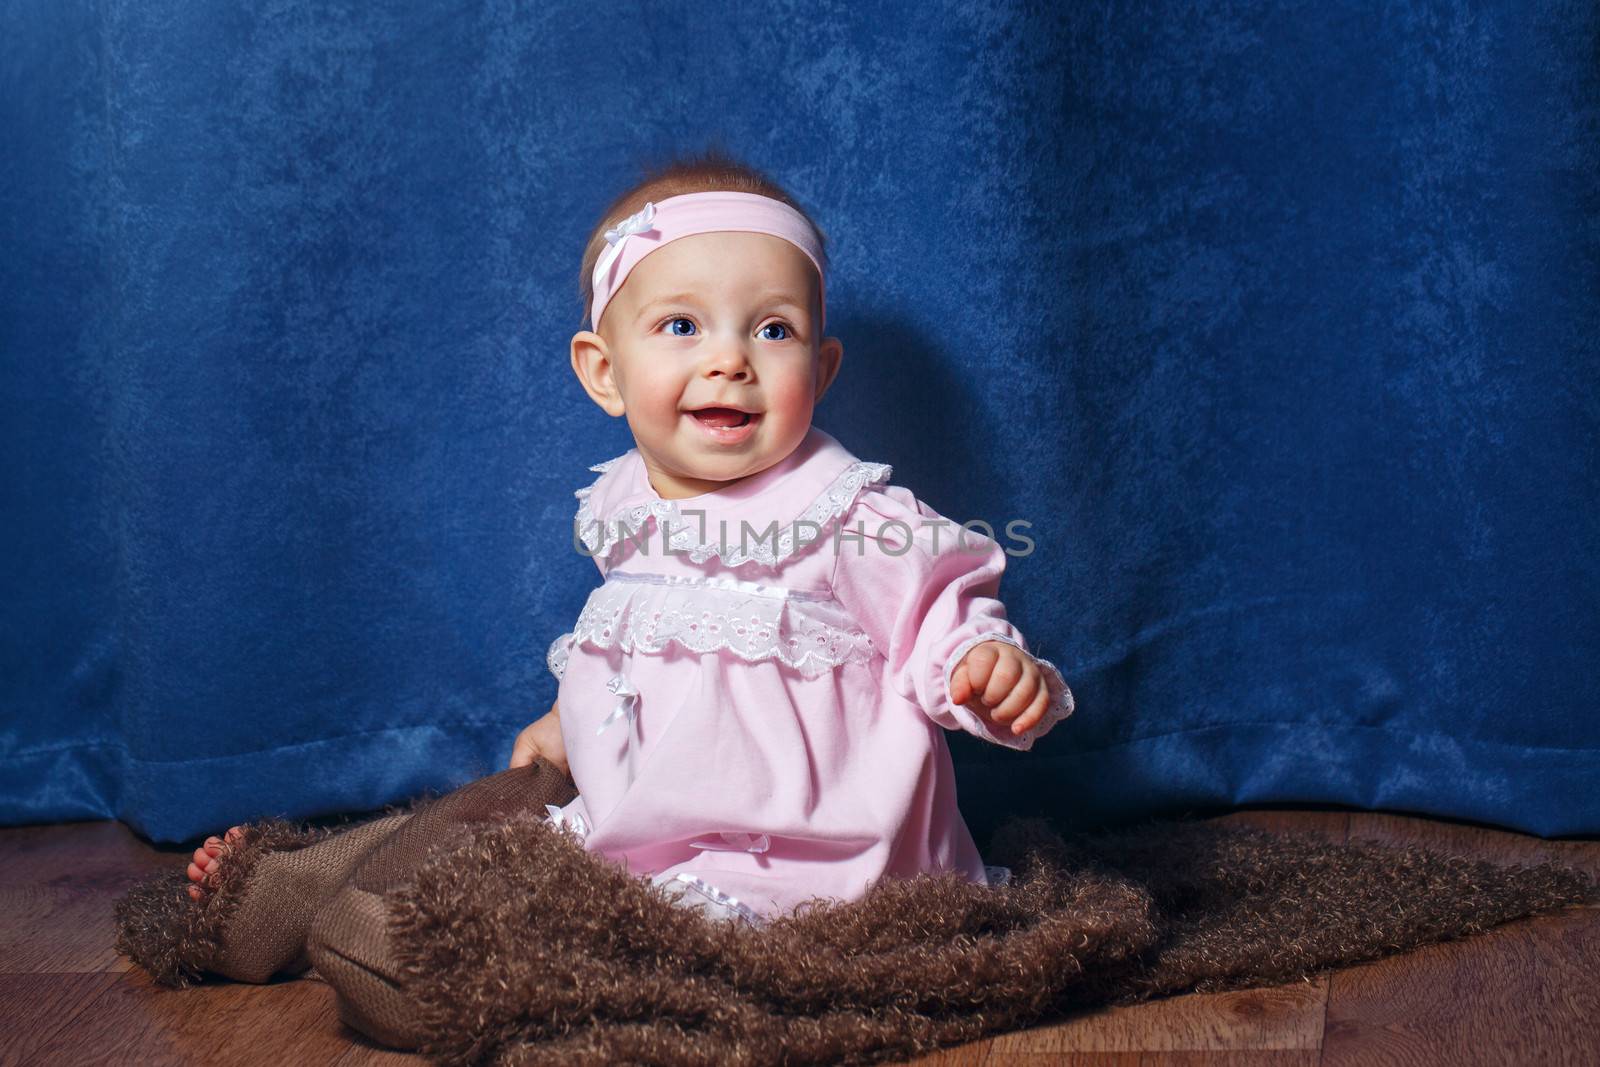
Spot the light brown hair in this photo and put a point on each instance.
(712, 170)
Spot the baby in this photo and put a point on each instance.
(752, 703)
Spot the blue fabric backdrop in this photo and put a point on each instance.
(1278, 322)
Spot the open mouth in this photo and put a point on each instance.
(723, 418)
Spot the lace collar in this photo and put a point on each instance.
(815, 483)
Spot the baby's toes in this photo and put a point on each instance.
(207, 857)
(204, 878)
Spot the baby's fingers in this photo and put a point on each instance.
(1019, 698)
(979, 664)
(1030, 718)
(960, 686)
(524, 750)
(1008, 671)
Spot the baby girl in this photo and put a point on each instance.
(752, 704)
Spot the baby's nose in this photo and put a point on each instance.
(729, 363)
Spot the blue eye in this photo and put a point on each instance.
(784, 326)
(674, 322)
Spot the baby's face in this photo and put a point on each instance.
(711, 350)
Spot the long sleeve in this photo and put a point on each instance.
(925, 591)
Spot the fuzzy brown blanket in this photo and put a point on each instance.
(522, 948)
(514, 945)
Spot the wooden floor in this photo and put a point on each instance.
(1524, 993)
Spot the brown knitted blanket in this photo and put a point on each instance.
(521, 948)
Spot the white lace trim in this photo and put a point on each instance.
(807, 631)
(556, 656)
(1060, 706)
(599, 537)
(712, 902)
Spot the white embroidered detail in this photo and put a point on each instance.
(684, 536)
(810, 633)
(685, 888)
(780, 592)
(556, 656)
(1059, 707)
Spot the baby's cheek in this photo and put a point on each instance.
(655, 399)
(791, 396)
(658, 390)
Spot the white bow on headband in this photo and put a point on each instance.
(638, 222)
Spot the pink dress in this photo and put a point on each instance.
(753, 702)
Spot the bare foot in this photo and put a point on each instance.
(208, 860)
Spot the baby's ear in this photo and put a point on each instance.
(829, 355)
(591, 362)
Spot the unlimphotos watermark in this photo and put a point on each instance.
(973, 536)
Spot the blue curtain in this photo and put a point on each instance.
(1277, 321)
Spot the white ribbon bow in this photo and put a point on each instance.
(627, 703)
(736, 842)
(638, 222)
(627, 699)
(570, 820)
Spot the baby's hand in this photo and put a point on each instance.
(1000, 682)
(542, 740)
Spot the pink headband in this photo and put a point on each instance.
(689, 213)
